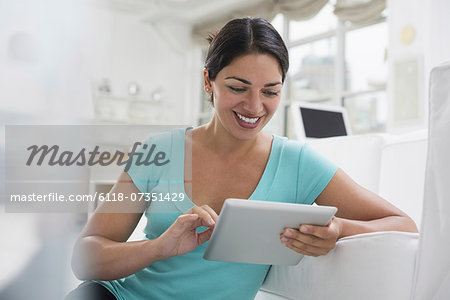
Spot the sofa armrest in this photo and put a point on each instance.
(366, 266)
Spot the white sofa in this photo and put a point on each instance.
(432, 275)
(367, 266)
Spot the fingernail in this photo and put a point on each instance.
(304, 229)
(288, 233)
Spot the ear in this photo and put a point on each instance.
(206, 81)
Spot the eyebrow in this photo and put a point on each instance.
(249, 83)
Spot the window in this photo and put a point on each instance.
(335, 62)
(312, 69)
(324, 21)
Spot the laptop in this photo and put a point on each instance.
(312, 121)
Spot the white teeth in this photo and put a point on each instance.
(247, 120)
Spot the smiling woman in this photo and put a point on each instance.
(246, 94)
(230, 157)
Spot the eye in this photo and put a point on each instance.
(236, 89)
(271, 93)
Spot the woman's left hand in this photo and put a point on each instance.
(312, 240)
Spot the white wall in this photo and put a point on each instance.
(437, 48)
(50, 53)
(71, 44)
(429, 47)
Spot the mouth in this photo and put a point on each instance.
(247, 122)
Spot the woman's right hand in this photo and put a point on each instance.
(181, 237)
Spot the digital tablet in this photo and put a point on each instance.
(248, 231)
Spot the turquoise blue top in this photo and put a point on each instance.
(294, 173)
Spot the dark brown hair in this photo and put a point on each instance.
(241, 37)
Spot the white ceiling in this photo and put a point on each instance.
(185, 11)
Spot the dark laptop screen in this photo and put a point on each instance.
(322, 123)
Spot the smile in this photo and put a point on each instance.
(247, 120)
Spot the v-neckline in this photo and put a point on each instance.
(188, 203)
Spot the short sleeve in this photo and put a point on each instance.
(140, 173)
(315, 171)
(145, 175)
(151, 162)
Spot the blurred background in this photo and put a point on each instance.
(141, 61)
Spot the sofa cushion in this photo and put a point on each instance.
(402, 173)
(367, 266)
(359, 156)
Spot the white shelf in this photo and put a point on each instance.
(128, 110)
(127, 99)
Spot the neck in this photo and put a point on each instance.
(221, 141)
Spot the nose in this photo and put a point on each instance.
(253, 103)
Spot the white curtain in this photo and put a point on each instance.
(266, 10)
(300, 10)
(433, 264)
(292, 9)
(359, 11)
(355, 11)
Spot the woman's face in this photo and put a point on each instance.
(246, 94)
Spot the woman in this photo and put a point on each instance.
(228, 157)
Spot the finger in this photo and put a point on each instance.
(305, 238)
(187, 220)
(211, 212)
(204, 236)
(298, 250)
(308, 248)
(205, 217)
(323, 232)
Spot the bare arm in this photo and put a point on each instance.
(101, 251)
(359, 211)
